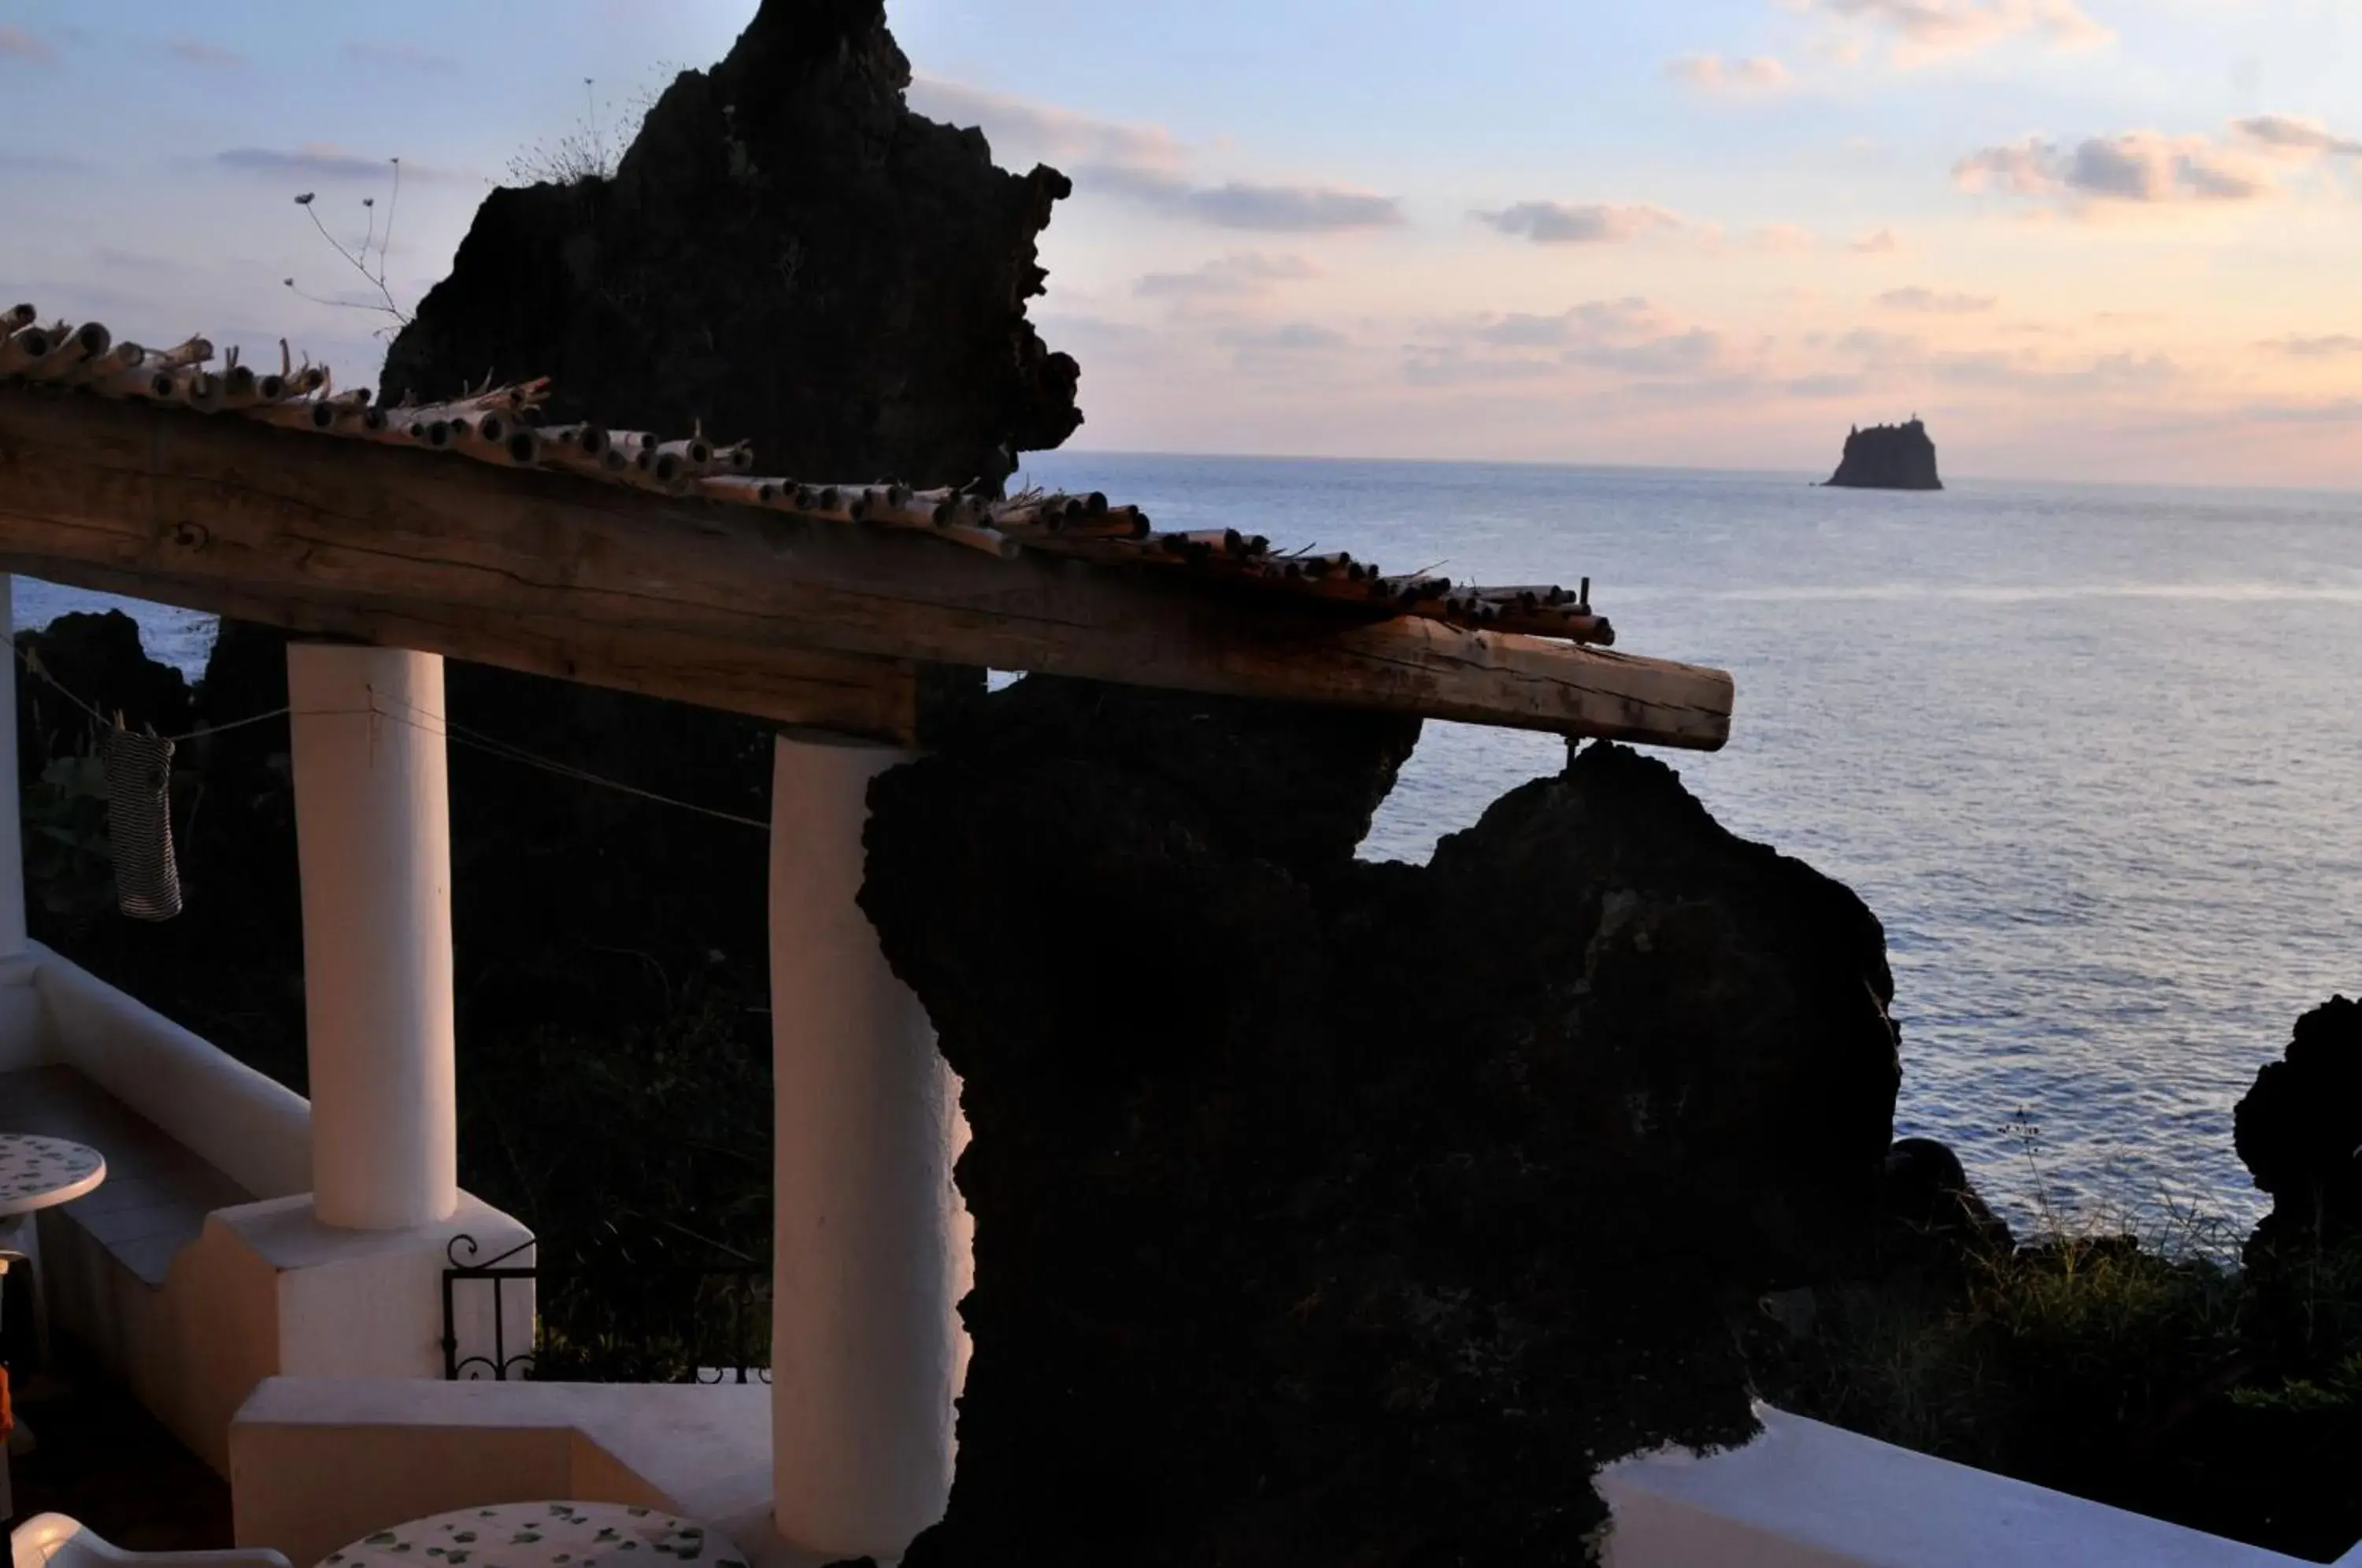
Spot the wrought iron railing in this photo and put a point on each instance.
(609, 1322)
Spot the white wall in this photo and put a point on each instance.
(251, 1128)
(316, 1463)
(1805, 1494)
(265, 1288)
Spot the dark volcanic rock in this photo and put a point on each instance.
(1935, 1220)
(1335, 1213)
(2299, 1130)
(1296, 785)
(786, 253)
(790, 255)
(1889, 456)
(99, 659)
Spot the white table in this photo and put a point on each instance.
(38, 1173)
(34, 1173)
(542, 1535)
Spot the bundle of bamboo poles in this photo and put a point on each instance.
(503, 425)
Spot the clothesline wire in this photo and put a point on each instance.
(426, 723)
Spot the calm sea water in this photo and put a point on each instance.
(2091, 753)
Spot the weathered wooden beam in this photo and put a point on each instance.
(878, 699)
(725, 605)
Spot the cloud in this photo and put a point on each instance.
(1926, 30)
(2338, 410)
(211, 57)
(2137, 167)
(1425, 365)
(1285, 337)
(1098, 338)
(1927, 301)
(1629, 335)
(1673, 354)
(131, 261)
(1044, 132)
(401, 57)
(1784, 238)
(1894, 359)
(1596, 322)
(1235, 276)
(1711, 73)
(1883, 243)
(1555, 223)
(15, 162)
(2335, 344)
(1244, 204)
(16, 43)
(319, 161)
(2285, 134)
(1148, 164)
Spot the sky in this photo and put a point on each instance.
(2104, 240)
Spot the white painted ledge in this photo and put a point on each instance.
(316, 1462)
(1806, 1494)
(254, 1130)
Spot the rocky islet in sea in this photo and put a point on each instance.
(1888, 456)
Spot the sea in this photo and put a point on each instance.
(2091, 753)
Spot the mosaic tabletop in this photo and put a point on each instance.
(542, 1535)
(38, 1172)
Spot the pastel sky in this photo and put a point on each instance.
(2111, 239)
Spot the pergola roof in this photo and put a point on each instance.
(669, 566)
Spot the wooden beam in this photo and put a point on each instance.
(876, 699)
(727, 606)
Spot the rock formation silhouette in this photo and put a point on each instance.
(1889, 456)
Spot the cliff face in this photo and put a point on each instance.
(1338, 1213)
(1889, 456)
(786, 253)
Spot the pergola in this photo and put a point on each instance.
(848, 615)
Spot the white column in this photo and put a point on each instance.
(867, 1349)
(12, 841)
(373, 843)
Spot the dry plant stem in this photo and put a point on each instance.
(360, 263)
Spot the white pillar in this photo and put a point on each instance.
(867, 1349)
(12, 841)
(373, 842)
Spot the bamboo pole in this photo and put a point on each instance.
(105, 484)
(741, 489)
(23, 348)
(692, 458)
(991, 541)
(70, 347)
(497, 426)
